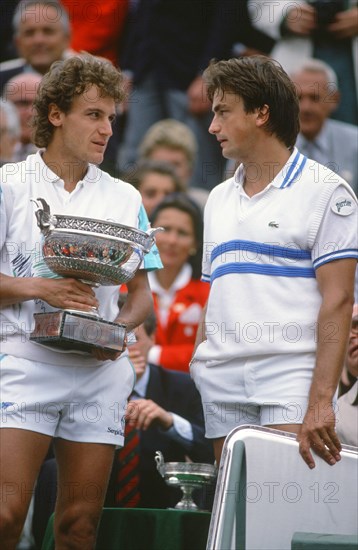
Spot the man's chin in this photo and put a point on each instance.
(41, 65)
(96, 159)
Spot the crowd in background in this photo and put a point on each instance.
(160, 141)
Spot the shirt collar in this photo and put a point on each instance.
(182, 279)
(91, 176)
(288, 175)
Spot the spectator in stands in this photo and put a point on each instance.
(330, 142)
(168, 45)
(173, 142)
(178, 293)
(21, 92)
(167, 411)
(41, 34)
(9, 131)
(347, 409)
(97, 26)
(324, 29)
(154, 180)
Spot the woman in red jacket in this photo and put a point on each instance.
(179, 295)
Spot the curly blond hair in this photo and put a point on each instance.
(70, 78)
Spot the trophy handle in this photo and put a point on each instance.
(43, 215)
(159, 459)
(152, 231)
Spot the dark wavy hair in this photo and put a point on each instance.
(182, 202)
(259, 80)
(70, 78)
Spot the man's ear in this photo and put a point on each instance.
(263, 114)
(55, 115)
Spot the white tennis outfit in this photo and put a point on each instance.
(51, 391)
(260, 257)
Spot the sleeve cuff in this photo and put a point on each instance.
(181, 427)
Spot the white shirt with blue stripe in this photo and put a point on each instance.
(260, 257)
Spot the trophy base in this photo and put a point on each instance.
(77, 331)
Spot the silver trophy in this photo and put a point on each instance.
(97, 252)
(186, 475)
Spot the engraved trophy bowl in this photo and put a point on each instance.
(186, 475)
(97, 252)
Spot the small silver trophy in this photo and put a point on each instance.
(186, 475)
(97, 252)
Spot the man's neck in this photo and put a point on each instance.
(70, 172)
(264, 166)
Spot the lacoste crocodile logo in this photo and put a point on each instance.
(273, 224)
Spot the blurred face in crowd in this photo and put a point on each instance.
(7, 141)
(177, 242)
(153, 188)
(352, 352)
(41, 38)
(318, 99)
(21, 90)
(176, 158)
(143, 345)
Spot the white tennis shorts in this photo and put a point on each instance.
(260, 391)
(84, 404)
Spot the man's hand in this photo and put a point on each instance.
(318, 433)
(301, 20)
(143, 412)
(345, 24)
(108, 355)
(67, 293)
(138, 360)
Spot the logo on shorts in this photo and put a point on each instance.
(115, 432)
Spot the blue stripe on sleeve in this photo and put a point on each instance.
(337, 255)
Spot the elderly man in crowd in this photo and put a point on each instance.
(21, 92)
(41, 34)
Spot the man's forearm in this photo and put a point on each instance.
(138, 304)
(333, 328)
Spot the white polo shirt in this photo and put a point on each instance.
(98, 196)
(260, 257)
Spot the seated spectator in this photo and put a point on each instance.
(9, 131)
(168, 44)
(154, 180)
(167, 412)
(21, 92)
(179, 294)
(41, 34)
(173, 142)
(347, 406)
(329, 142)
(323, 29)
